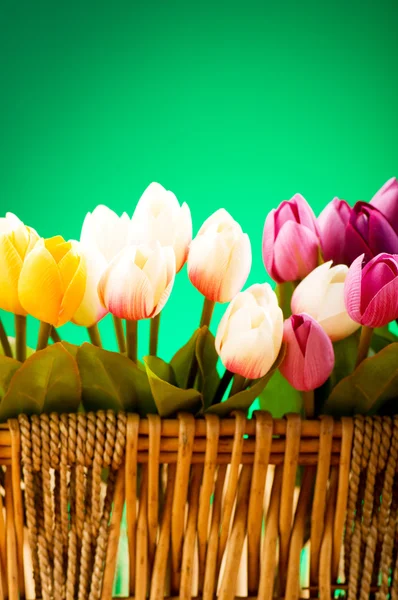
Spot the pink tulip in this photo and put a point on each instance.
(386, 200)
(332, 224)
(291, 240)
(309, 358)
(371, 290)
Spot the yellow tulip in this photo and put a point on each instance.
(53, 281)
(16, 241)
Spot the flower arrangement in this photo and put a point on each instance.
(324, 331)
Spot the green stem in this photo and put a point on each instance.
(154, 335)
(44, 334)
(132, 338)
(207, 312)
(364, 344)
(238, 385)
(309, 404)
(94, 335)
(54, 335)
(222, 386)
(4, 341)
(121, 340)
(20, 337)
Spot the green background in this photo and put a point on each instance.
(234, 104)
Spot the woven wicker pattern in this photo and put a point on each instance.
(214, 508)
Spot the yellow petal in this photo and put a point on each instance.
(10, 268)
(68, 266)
(57, 247)
(74, 293)
(40, 285)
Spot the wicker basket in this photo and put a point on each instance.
(214, 508)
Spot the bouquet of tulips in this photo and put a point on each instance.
(323, 335)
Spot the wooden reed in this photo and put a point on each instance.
(214, 507)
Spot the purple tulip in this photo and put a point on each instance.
(368, 232)
(371, 290)
(332, 223)
(309, 357)
(291, 240)
(386, 200)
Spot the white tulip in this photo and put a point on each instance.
(91, 310)
(321, 295)
(138, 282)
(105, 231)
(220, 258)
(159, 217)
(250, 333)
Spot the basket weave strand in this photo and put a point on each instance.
(208, 505)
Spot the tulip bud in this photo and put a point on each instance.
(386, 200)
(104, 231)
(249, 335)
(137, 283)
(16, 241)
(321, 295)
(371, 290)
(332, 223)
(291, 240)
(219, 258)
(158, 217)
(309, 358)
(91, 309)
(52, 281)
(368, 232)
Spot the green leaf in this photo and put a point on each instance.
(182, 360)
(110, 380)
(279, 397)
(207, 358)
(8, 366)
(29, 351)
(243, 400)
(170, 399)
(162, 369)
(47, 381)
(71, 348)
(371, 385)
(382, 337)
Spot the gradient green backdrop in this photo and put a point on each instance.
(234, 104)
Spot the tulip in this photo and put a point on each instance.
(158, 217)
(219, 258)
(104, 231)
(386, 200)
(91, 309)
(137, 283)
(332, 223)
(53, 281)
(309, 358)
(368, 232)
(291, 240)
(321, 295)
(371, 290)
(249, 335)
(16, 241)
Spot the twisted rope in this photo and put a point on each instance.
(353, 495)
(58, 574)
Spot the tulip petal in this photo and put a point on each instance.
(183, 236)
(40, 286)
(352, 289)
(206, 263)
(383, 308)
(295, 251)
(74, 293)
(319, 361)
(238, 269)
(251, 354)
(10, 269)
(309, 294)
(268, 246)
(57, 247)
(220, 218)
(306, 215)
(386, 200)
(91, 310)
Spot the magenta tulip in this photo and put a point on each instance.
(291, 240)
(332, 223)
(309, 358)
(368, 232)
(386, 200)
(371, 290)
